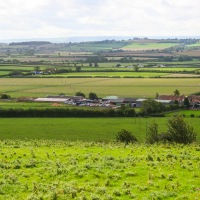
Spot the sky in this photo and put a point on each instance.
(22, 19)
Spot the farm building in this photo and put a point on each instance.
(194, 100)
(59, 99)
(114, 100)
(108, 98)
(179, 99)
(53, 100)
(69, 98)
(139, 102)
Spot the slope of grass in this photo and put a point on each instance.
(62, 170)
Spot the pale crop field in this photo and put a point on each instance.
(123, 87)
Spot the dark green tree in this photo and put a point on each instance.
(5, 96)
(186, 102)
(37, 68)
(92, 96)
(176, 92)
(136, 68)
(80, 94)
(151, 106)
(96, 64)
(78, 68)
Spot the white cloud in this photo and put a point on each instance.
(55, 18)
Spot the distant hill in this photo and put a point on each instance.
(30, 43)
(77, 39)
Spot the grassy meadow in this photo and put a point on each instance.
(84, 129)
(124, 87)
(59, 170)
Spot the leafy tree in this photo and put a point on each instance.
(151, 106)
(36, 68)
(90, 64)
(157, 95)
(186, 102)
(185, 58)
(5, 96)
(125, 136)
(96, 64)
(136, 68)
(80, 94)
(78, 68)
(180, 131)
(176, 92)
(92, 96)
(15, 72)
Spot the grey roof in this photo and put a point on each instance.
(110, 97)
(121, 100)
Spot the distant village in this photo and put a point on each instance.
(115, 102)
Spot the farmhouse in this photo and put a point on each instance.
(179, 99)
(194, 101)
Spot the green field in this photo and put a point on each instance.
(187, 113)
(85, 129)
(194, 45)
(170, 69)
(148, 46)
(113, 74)
(124, 87)
(65, 170)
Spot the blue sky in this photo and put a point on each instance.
(21, 19)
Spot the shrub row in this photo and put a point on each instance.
(56, 112)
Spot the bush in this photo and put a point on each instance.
(192, 115)
(126, 137)
(152, 133)
(180, 131)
